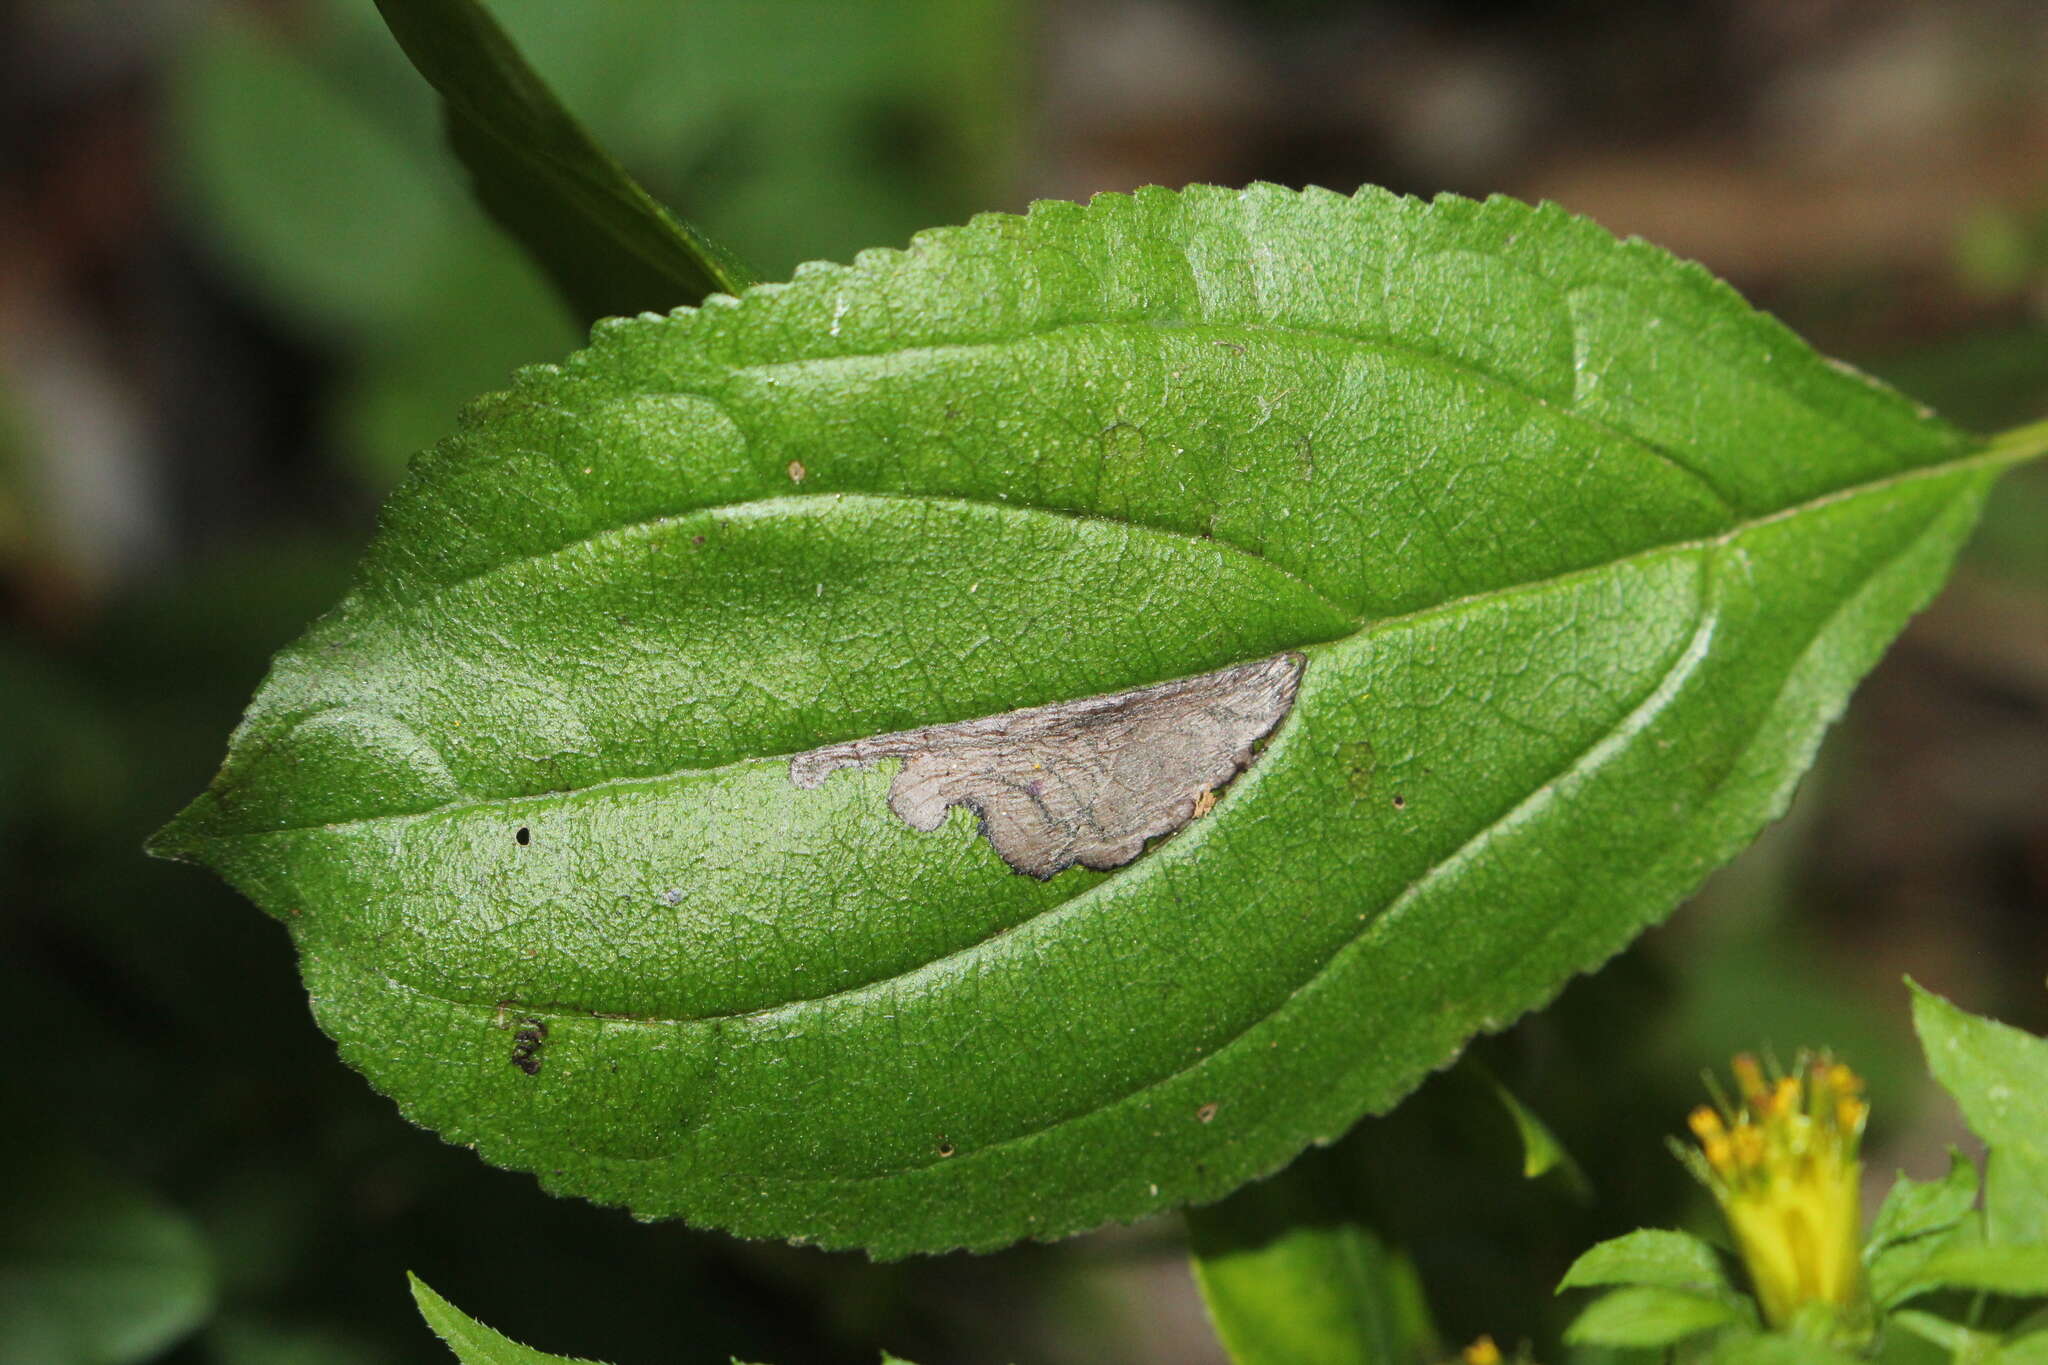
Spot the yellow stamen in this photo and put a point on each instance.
(1482, 1352)
(1720, 1155)
(1749, 1077)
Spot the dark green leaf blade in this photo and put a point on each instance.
(610, 246)
(1285, 1280)
(1999, 1077)
(1572, 556)
(471, 1341)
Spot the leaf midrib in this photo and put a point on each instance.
(1687, 658)
(1992, 458)
(1996, 456)
(1476, 840)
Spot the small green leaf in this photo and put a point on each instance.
(1446, 588)
(1919, 1208)
(1894, 1274)
(1992, 1268)
(474, 1343)
(1918, 1219)
(1999, 1077)
(92, 1271)
(1542, 1153)
(611, 247)
(1655, 1257)
(1775, 1348)
(1286, 1280)
(2031, 1348)
(1963, 1343)
(1644, 1316)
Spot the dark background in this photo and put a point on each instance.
(240, 283)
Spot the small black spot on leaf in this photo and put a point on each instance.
(526, 1045)
(524, 836)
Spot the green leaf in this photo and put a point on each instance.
(1999, 1077)
(1651, 1256)
(1992, 1268)
(1962, 1343)
(1775, 1348)
(1645, 1316)
(1916, 1222)
(331, 212)
(92, 1271)
(472, 1342)
(1522, 567)
(1917, 1208)
(1894, 1274)
(1287, 1280)
(610, 246)
(2028, 1349)
(1542, 1153)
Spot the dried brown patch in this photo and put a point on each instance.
(1087, 781)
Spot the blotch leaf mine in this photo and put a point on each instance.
(1400, 605)
(1086, 781)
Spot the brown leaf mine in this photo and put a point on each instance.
(1086, 781)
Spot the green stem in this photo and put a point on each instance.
(2020, 444)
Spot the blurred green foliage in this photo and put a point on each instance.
(803, 129)
(91, 1268)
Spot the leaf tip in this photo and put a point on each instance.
(179, 839)
(1928, 1007)
(432, 1306)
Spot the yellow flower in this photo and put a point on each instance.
(1481, 1352)
(1782, 1163)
